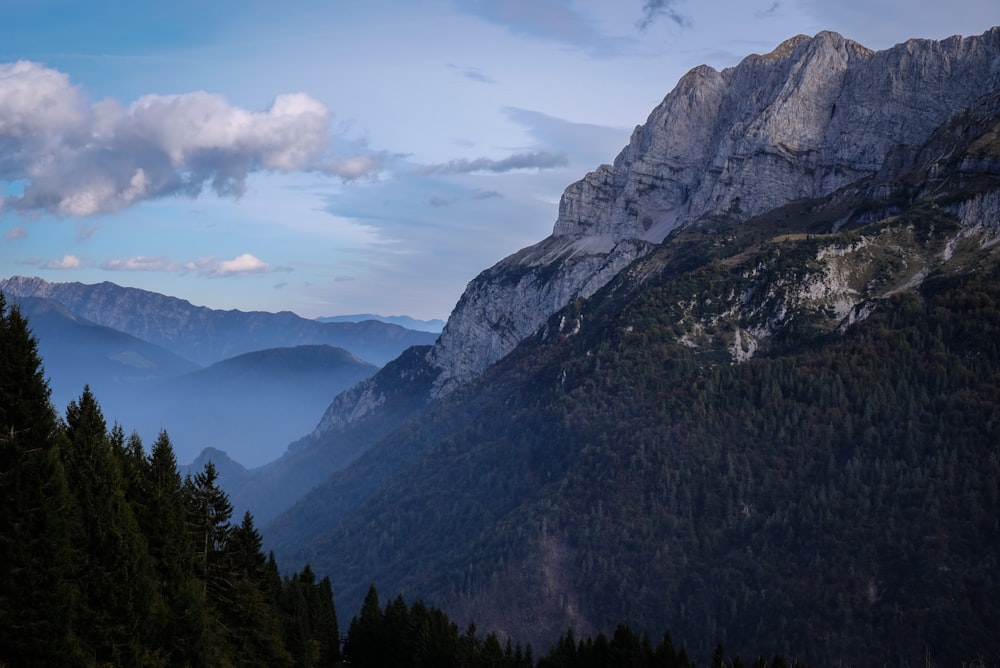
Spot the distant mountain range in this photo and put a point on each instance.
(205, 335)
(402, 320)
(746, 391)
(252, 405)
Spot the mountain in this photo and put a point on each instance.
(251, 405)
(402, 320)
(206, 335)
(271, 489)
(77, 352)
(746, 391)
(815, 116)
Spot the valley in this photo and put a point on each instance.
(746, 391)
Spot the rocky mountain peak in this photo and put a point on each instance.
(815, 116)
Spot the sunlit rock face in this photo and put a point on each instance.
(813, 116)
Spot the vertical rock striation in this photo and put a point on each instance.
(811, 117)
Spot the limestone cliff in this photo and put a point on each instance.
(812, 117)
(815, 117)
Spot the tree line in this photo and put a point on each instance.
(112, 558)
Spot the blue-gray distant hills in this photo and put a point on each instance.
(402, 320)
(251, 404)
(205, 335)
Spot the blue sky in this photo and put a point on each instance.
(334, 157)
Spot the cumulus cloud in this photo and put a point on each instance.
(78, 158)
(15, 233)
(243, 264)
(530, 160)
(65, 262)
(207, 266)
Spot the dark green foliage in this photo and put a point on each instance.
(36, 589)
(162, 512)
(398, 636)
(137, 567)
(114, 572)
(108, 558)
(836, 497)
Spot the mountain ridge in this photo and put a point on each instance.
(712, 153)
(756, 431)
(790, 125)
(206, 335)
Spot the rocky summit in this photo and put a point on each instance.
(765, 413)
(816, 116)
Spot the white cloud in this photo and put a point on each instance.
(206, 266)
(81, 159)
(243, 264)
(65, 262)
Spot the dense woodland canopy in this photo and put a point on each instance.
(110, 558)
(836, 496)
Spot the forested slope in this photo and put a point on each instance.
(836, 495)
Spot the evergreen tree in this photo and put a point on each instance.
(117, 594)
(36, 600)
(364, 637)
(326, 629)
(163, 519)
(209, 511)
(208, 514)
(249, 615)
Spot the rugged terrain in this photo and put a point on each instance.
(205, 335)
(746, 391)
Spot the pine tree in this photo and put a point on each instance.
(209, 511)
(326, 630)
(364, 637)
(36, 598)
(250, 615)
(113, 567)
(163, 519)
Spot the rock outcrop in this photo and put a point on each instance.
(813, 116)
(816, 116)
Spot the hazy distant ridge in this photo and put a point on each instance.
(406, 321)
(205, 335)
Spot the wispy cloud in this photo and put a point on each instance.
(473, 74)
(15, 233)
(208, 266)
(517, 161)
(554, 20)
(770, 11)
(438, 201)
(146, 263)
(653, 9)
(78, 158)
(86, 231)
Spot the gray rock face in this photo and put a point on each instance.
(811, 117)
